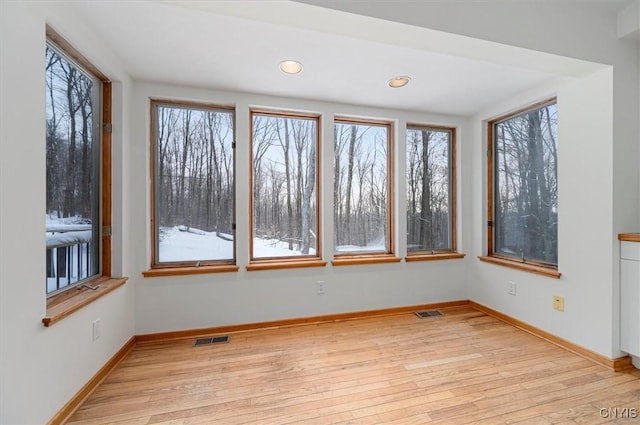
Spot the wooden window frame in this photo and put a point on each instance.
(451, 253)
(178, 268)
(492, 257)
(65, 303)
(293, 262)
(363, 258)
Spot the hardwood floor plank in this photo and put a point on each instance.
(464, 367)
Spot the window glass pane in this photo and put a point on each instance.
(194, 199)
(361, 214)
(428, 189)
(526, 187)
(72, 173)
(285, 222)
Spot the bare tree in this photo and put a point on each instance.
(306, 199)
(428, 189)
(426, 233)
(360, 171)
(526, 198)
(350, 159)
(70, 76)
(284, 160)
(195, 168)
(285, 144)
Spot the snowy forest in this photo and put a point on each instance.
(428, 189)
(361, 202)
(526, 193)
(195, 185)
(284, 184)
(194, 179)
(69, 136)
(194, 182)
(72, 172)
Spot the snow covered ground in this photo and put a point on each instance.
(363, 249)
(376, 245)
(176, 244)
(198, 245)
(193, 245)
(56, 224)
(181, 244)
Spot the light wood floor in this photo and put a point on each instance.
(462, 368)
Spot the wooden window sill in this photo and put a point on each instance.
(179, 271)
(354, 260)
(285, 264)
(629, 237)
(514, 264)
(64, 304)
(432, 257)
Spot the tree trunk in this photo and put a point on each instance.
(299, 138)
(426, 218)
(287, 175)
(69, 194)
(412, 187)
(214, 175)
(210, 146)
(87, 160)
(306, 200)
(53, 142)
(186, 141)
(347, 212)
(539, 196)
(337, 198)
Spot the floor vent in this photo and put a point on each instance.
(429, 313)
(211, 340)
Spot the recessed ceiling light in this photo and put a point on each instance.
(290, 67)
(397, 82)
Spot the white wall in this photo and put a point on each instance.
(244, 297)
(586, 31)
(629, 20)
(585, 216)
(42, 368)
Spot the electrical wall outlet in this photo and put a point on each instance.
(320, 287)
(558, 303)
(96, 329)
(511, 289)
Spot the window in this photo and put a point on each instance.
(75, 251)
(284, 190)
(523, 187)
(362, 189)
(193, 186)
(430, 172)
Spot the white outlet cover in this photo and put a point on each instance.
(96, 329)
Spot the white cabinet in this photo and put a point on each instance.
(630, 297)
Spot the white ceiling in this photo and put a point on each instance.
(216, 46)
